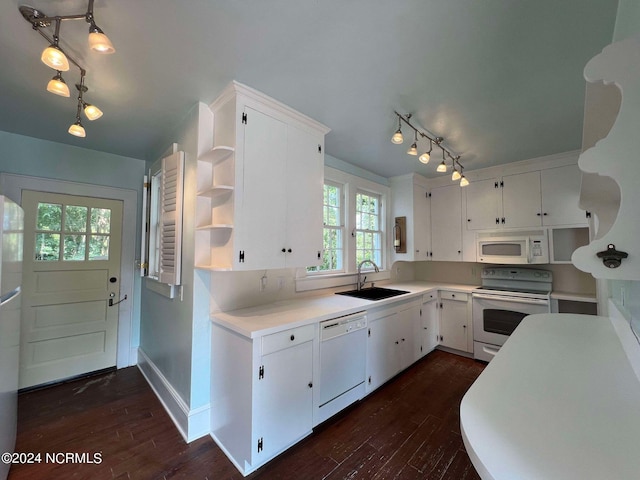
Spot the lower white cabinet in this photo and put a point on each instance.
(261, 392)
(455, 321)
(429, 333)
(392, 343)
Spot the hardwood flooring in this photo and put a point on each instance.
(407, 429)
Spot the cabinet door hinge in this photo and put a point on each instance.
(495, 185)
(587, 214)
(497, 221)
(261, 372)
(319, 254)
(503, 220)
(420, 312)
(319, 148)
(369, 379)
(501, 184)
(440, 304)
(241, 256)
(259, 444)
(369, 332)
(421, 348)
(244, 118)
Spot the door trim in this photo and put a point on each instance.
(12, 185)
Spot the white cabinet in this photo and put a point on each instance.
(533, 199)
(511, 201)
(428, 334)
(391, 345)
(261, 392)
(561, 196)
(260, 187)
(455, 321)
(411, 200)
(446, 223)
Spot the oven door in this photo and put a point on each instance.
(496, 316)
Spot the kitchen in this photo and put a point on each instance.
(174, 335)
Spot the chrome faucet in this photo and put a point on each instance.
(360, 284)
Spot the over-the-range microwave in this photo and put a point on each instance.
(513, 247)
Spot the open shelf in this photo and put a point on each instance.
(215, 226)
(217, 154)
(216, 191)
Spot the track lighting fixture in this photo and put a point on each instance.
(426, 156)
(55, 57)
(413, 149)
(58, 86)
(397, 137)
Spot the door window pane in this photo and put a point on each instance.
(74, 247)
(75, 218)
(49, 217)
(100, 220)
(99, 247)
(47, 247)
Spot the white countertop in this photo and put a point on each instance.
(270, 318)
(560, 401)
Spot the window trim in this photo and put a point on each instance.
(382, 231)
(306, 281)
(341, 228)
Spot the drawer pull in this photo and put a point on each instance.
(293, 337)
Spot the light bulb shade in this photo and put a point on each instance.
(455, 175)
(425, 157)
(442, 167)
(99, 42)
(92, 112)
(413, 149)
(463, 181)
(58, 86)
(53, 57)
(397, 138)
(77, 129)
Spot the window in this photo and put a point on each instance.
(333, 234)
(368, 228)
(72, 233)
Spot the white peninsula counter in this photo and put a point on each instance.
(561, 401)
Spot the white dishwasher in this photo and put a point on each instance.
(343, 345)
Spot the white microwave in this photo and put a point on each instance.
(513, 247)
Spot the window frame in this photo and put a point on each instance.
(381, 230)
(341, 228)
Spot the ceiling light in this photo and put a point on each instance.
(58, 86)
(56, 58)
(463, 181)
(92, 112)
(426, 156)
(77, 129)
(98, 41)
(397, 137)
(413, 149)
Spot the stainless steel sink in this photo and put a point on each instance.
(373, 293)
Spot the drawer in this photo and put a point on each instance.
(460, 296)
(427, 297)
(288, 338)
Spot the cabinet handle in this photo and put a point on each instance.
(289, 250)
(544, 214)
(453, 295)
(403, 339)
(538, 214)
(292, 337)
(283, 250)
(464, 326)
(397, 342)
(468, 219)
(310, 384)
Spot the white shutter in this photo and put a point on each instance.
(144, 247)
(171, 194)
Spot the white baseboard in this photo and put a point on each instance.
(192, 424)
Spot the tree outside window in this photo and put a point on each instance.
(368, 228)
(333, 233)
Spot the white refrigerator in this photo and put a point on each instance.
(11, 241)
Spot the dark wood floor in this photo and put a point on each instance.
(407, 429)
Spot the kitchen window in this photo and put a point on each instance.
(333, 232)
(369, 231)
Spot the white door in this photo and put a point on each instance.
(453, 324)
(72, 248)
(561, 195)
(521, 204)
(484, 198)
(422, 223)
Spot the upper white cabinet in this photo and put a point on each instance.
(260, 187)
(614, 156)
(561, 196)
(446, 223)
(533, 199)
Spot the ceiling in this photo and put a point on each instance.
(500, 80)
